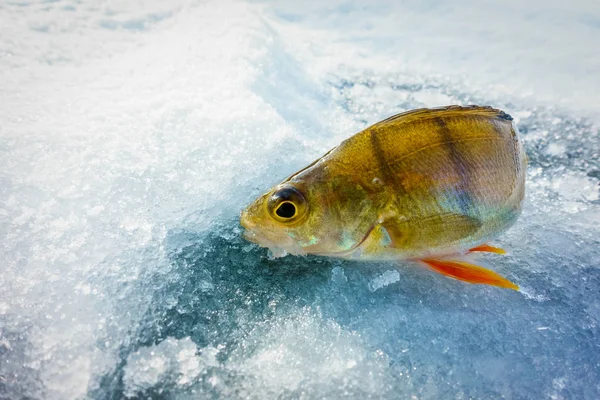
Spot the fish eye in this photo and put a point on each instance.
(287, 205)
(286, 210)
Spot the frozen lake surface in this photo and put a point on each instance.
(133, 132)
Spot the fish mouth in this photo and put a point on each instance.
(278, 245)
(250, 236)
(248, 233)
(275, 250)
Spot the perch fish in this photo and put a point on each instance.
(429, 185)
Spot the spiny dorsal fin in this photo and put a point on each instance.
(447, 111)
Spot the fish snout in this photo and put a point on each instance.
(250, 236)
(248, 233)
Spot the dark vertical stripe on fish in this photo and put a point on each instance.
(460, 165)
(389, 177)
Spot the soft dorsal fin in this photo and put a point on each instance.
(424, 113)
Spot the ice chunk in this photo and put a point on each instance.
(385, 279)
(338, 276)
(172, 361)
(304, 355)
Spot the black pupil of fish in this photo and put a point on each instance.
(286, 210)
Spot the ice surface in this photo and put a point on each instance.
(132, 133)
(170, 362)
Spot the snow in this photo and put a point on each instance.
(132, 133)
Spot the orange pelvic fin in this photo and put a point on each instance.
(489, 249)
(466, 272)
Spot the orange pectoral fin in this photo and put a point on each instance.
(464, 271)
(489, 249)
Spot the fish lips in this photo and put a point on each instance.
(253, 235)
(279, 245)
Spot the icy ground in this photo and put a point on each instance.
(132, 133)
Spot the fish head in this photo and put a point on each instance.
(294, 217)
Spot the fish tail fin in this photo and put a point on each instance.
(471, 273)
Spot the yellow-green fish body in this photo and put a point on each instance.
(419, 185)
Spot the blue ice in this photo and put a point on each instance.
(132, 133)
